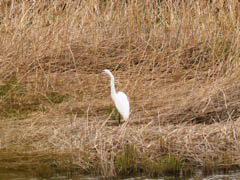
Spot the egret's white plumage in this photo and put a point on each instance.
(120, 99)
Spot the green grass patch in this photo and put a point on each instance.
(166, 165)
(130, 162)
(11, 87)
(17, 113)
(126, 161)
(218, 161)
(14, 100)
(55, 97)
(17, 101)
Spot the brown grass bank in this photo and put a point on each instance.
(178, 63)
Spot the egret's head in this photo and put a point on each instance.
(106, 71)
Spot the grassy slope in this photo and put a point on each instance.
(178, 64)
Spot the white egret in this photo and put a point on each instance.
(120, 99)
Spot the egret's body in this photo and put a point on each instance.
(120, 99)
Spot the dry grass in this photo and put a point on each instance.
(178, 63)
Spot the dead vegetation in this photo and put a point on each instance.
(178, 63)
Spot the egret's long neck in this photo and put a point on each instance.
(113, 90)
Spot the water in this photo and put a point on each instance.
(17, 175)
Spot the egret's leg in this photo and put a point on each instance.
(119, 118)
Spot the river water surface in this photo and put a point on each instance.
(16, 175)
